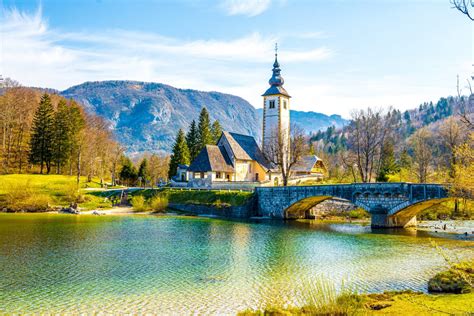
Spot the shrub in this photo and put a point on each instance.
(138, 203)
(36, 203)
(17, 193)
(20, 197)
(158, 203)
(458, 279)
(72, 193)
(319, 297)
(358, 214)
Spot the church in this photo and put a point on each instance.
(237, 160)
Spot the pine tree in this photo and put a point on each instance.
(388, 165)
(77, 123)
(62, 136)
(311, 149)
(42, 134)
(216, 130)
(192, 140)
(143, 171)
(204, 130)
(128, 172)
(405, 159)
(180, 153)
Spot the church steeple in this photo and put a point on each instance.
(276, 113)
(276, 81)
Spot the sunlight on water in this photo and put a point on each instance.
(138, 264)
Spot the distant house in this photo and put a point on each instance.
(309, 166)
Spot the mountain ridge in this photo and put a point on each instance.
(145, 116)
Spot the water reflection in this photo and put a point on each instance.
(131, 264)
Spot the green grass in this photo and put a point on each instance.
(34, 192)
(205, 197)
(387, 303)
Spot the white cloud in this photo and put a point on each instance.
(245, 7)
(37, 55)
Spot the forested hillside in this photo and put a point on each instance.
(432, 143)
(46, 133)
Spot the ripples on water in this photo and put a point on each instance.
(175, 265)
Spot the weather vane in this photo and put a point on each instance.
(276, 48)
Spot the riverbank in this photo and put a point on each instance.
(386, 303)
(454, 286)
(42, 193)
(448, 226)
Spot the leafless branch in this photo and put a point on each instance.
(463, 7)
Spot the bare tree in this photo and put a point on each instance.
(451, 135)
(284, 154)
(465, 7)
(158, 165)
(116, 153)
(349, 160)
(422, 153)
(466, 106)
(367, 132)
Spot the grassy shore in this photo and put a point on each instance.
(455, 288)
(40, 193)
(203, 197)
(33, 192)
(387, 303)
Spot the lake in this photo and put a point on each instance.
(174, 265)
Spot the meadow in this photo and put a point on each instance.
(35, 192)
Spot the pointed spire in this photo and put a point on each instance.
(276, 79)
(276, 64)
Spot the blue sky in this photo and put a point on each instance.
(336, 56)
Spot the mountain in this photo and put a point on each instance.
(312, 122)
(146, 116)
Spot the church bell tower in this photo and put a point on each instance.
(276, 113)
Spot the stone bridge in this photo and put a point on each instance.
(390, 204)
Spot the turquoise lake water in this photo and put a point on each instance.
(182, 265)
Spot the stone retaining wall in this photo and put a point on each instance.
(242, 211)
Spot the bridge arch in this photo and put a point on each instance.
(300, 208)
(415, 208)
(390, 204)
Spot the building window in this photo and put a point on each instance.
(218, 175)
(272, 104)
(284, 104)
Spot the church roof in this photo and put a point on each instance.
(245, 147)
(275, 90)
(212, 158)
